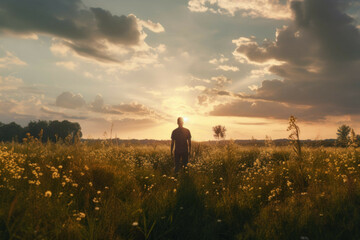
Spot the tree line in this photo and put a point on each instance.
(44, 130)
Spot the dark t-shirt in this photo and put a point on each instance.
(180, 136)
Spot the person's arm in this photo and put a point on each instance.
(189, 141)
(172, 146)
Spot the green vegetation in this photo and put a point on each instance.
(44, 130)
(104, 191)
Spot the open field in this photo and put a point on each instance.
(105, 191)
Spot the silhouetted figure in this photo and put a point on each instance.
(181, 137)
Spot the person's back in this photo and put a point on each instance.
(181, 138)
(181, 135)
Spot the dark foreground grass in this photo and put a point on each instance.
(103, 191)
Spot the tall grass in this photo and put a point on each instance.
(106, 191)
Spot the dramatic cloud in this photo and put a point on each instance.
(93, 33)
(274, 9)
(70, 100)
(273, 110)
(320, 65)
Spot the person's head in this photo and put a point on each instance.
(180, 121)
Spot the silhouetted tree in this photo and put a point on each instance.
(343, 135)
(34, 128)
(219, 131)
(11, 131)
(52, 130)
(61, 130)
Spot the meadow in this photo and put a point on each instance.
(101, 190)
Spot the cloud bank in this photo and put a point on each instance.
(274, 9)
(319, 56)
(92, 33)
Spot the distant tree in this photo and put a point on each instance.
(343, 136)
(11, 131)
(219, 132)
(52, 130)
(61, 130)
(37, 128)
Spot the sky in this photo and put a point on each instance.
(128, 69)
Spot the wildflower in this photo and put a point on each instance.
(98, 192)
(55, 175)
(97, 208)
(135, 224)
(219, 220)
(48, 194)
(90, 184)
(60, 166)
(82, 215)
(288, 183)
(174, 190)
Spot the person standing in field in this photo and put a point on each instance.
(181, 138)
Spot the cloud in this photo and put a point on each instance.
(319, 55)
(20, 109)
(68, 65)
(228, 68)
(216, 61)
(93, 33)
(190, 88)
(10, 83)
(273, 9)
(70, 100)
(212, 93)
(221, 66)
(263, 109)
(133, 108)
(221, 81)
(154, 27)
(10, 59)
(128, 109)
(52, 113)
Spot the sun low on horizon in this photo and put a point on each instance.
(131, 68)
